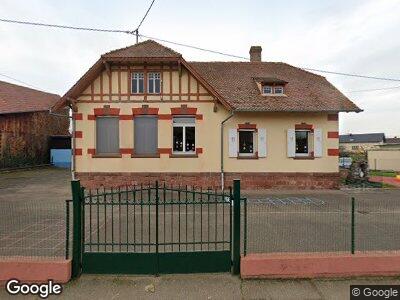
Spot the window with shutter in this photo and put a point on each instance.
(262, 142)
(318, 143)
(146, 135)
(233, 143)
(107, 135)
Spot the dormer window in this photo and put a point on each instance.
(267, 89)
(272, 90)
(278, 90)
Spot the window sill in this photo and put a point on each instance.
(108, 155)
(145, 155)
(304, 157)
(183, 155)
(247, 157)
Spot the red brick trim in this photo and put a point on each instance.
(91, 151)
(303, 126)
(125, 117)
(78, 151)
(183, 110)
(91, 117)
(199, 150)
(247, 126)
(77, 116)
(333, 135)
(78, 134)
(165, 150)
(333, 152)
(164, 117)
(126, 151)
(199, 117)
(145, 111)
(333, 117)
(106, 111)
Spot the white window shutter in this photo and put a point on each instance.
(318, 142)
(291, 143)
(233, 142)
(262, 142)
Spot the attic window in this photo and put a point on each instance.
(278, 90)
(272, 90)
(267, 89)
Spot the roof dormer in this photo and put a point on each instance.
(270, 86)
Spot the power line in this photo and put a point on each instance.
(352, 75)
(193, 47)
(20, 81)
(65, 26)
(378, 89)
(140, 24)
(183, 45)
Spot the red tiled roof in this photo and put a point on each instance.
(304, 91)
(235, 83)
(146, 49)
(16, 99)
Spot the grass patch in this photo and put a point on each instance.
(382, 173)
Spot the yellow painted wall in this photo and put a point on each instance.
(207, 130)
(208, 138)
(384, 159)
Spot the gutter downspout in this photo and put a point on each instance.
(222, 149)
(72, 140)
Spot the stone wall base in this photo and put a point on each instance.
(305, 181)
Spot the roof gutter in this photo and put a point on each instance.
(222, 149)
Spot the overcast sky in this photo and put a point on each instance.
(360, 37)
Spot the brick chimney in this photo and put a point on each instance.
(255, 53)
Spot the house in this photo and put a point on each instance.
(143, 113)
(360, 143)
(26, 124)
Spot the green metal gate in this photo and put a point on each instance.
(152, 230)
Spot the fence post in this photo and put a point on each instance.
(236, 227)
(353, 223)
(157, 250)
(77, 228)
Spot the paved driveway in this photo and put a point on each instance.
(33, 220)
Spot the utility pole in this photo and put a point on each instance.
(137, 35)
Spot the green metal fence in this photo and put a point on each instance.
(155, 229)
(321, 223)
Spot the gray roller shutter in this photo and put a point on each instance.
(107, 135)
(146, 135)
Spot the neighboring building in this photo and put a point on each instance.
(361, 142)
(385, 158)
(391, 143)
(143, 113)
(26, 124)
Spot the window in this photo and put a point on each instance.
(302, 145)
(146, 135)
(278, 90)
(246, 143)
(266, 89)
(184, 135)
(107, 135)
(137, 83)
(154, 83)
